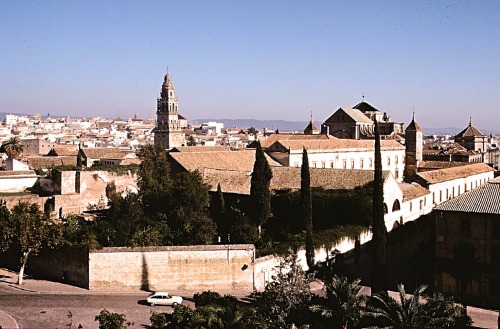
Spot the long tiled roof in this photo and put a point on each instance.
(105, 152)
(275, 137)
(288, 178)
(483, 200)
(337, 143)
(230, 160)
(432, 165)
(443, 175)
(193, 149)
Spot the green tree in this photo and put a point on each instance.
(154, 181)
(109, 320)
(379, 230)
(287, 297)
(260, 189)
(343, 306)
(7, 227)
(383, 311)
(12, 147)
(218, 210)
(29, 229)
(189, 207)
(306, 207)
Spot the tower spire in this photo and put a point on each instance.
(363, 98)
(470, 121)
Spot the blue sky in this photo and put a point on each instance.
(254, 59)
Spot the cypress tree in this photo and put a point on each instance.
(306, 207)
(260, 189)
(379, 239)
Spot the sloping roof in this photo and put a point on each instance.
(337, 143)
(365, 107)
(275, 137)
(64, 150)
(428, 165)
(413, 126)
(358, 116)
(470, 131)
(230, 160)
(288, 178)
(443, 175)
(412, 190)
(105, 153)
(482, 200)
(311, 127)
(354, 114)
(36, 162)
(198, 149)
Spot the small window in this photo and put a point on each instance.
(411, 206)
(371, 162)
(323, 165)
(352, 164)
(396, 159)
(331, 164)
(344, 164)
(388, 161)
(361, 164)
(421, 204)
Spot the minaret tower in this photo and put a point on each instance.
(168, 132)
(414, 147)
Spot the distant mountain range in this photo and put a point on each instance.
(293, 126)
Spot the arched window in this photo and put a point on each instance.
(396, 206)
(385, 209)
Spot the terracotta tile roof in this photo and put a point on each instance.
(337, 143)
(47, 162)
(470, 131)
(431, 165)
(443, 175)
(275, 137)
(483, 200)
(288, 178)
(193, 149)
(230, 160)
(64, 150)
(357, 116)
(365, 107)
(6, 173)
(105, 153)
(412, 191)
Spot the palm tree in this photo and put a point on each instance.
(343, 304)
(12, 147)
(383, 311)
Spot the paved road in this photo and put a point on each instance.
(45, 310)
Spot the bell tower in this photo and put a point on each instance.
(414, 147)
(168, 131)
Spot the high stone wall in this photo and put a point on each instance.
(215, 267)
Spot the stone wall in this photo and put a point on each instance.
(215, 267)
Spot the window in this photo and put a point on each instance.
(331, 164)
(352, 164)
(396, 206)
(361, 163)
(323, 165)
(370, 160)
(344, 164)
(396, 173)
(396, 159)
(421, 204)
(314, 164)
(388, 161)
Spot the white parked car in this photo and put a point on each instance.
(164, 298)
